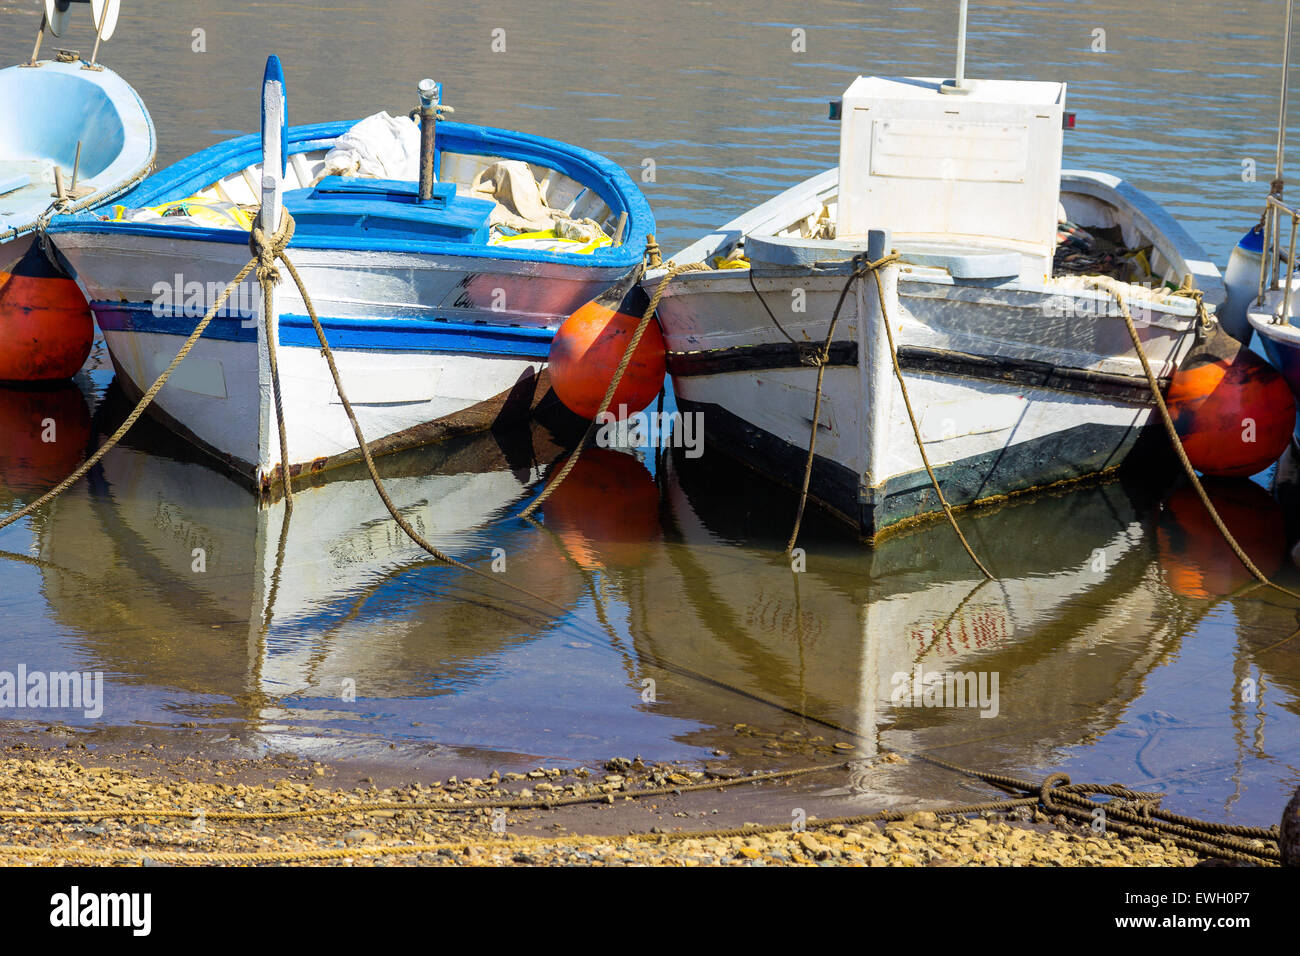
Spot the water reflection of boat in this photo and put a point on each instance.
(45, 431)
(199, 587)
(1072, 626)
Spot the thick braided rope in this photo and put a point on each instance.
(1055, 786)
(266, 250)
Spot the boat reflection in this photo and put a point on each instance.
(1077, 619)
(174, 576)
(199, 601)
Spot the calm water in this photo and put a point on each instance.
(1118, 656)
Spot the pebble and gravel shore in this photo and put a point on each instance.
(466, 837)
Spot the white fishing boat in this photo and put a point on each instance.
(1020, 369)
(440, 264)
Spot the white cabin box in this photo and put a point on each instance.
(980, 168)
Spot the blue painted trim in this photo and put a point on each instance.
(193, 173)
(332, 210)
(275, 74)
(345, 334)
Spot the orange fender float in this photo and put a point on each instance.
(46, 329)
(1233, 411)
(1196, 560)
(590, 344)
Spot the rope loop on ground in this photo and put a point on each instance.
(1050, 783)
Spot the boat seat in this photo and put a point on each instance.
(961, 262)
(389, 208)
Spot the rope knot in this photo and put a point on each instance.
(266, 250)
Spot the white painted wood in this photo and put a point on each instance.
(268, 330)
(1059, 321)
(985, 163)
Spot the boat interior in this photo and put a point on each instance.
(460, 210)
(1106, 228)
(56, 117)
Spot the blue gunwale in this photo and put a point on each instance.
(379, 334)
(186, 177)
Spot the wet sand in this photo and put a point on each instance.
(177, 798)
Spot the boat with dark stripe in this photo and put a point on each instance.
(1020, 369)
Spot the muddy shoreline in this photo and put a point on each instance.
(152, 803)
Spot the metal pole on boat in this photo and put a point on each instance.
(958, 83)
(428, 91)
(99, 35)
(40, 35)
(1276, 189)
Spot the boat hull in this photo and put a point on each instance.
(414, 352)
(1008, 397)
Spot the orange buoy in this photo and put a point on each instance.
(46, 329)
(46, 431)
(607, 510)
(1197, 562)
(1233, 411)
(591, 343)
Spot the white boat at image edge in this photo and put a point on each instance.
(67, 119)
(440, 316)
(1021, 373)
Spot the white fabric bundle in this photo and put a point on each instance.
(378, 147)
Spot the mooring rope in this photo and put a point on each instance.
(862, 268)
(1223, 840)
(1117, 290)
(266, 249)
(614, 382)
(140, 406)
(1055, 794)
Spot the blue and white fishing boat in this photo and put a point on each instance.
(73, 130)
(441, 259)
